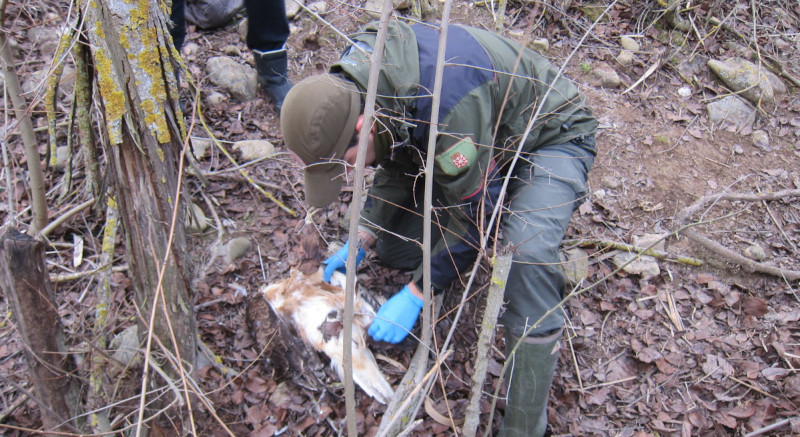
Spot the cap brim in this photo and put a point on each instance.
(323, 183)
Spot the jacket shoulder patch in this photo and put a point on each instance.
(458, 158)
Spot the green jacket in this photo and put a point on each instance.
(479, 128)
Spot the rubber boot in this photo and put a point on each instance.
(272, 75)
(529, 377)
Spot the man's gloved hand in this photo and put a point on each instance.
(338, 260)
(396, 317)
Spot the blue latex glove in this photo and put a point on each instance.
(337, 261)
(396, 317)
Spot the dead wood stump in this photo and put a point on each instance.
(25, 283)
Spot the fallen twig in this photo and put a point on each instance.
(768, 428)
(635, 249)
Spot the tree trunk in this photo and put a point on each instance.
(25, 283)
(133, 57)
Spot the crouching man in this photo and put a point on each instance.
(489, 95)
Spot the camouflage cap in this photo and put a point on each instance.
(318, 120)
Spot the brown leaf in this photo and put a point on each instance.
(256, 384)
(267, 430)
(648, 355)
(742, 411)
(717, 367)
(725, 420)
(754, 306)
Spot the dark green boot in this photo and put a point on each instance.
(273, 75)
(529, 376)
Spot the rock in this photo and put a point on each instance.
(755, 252)
(605, 76)
(232, 51)
(319, 7)
(215, 99)
(45, 39)
(644, 266)
(738, 149)
(254, 149)
(201, 147)
(732, 113)
(629, 43)
(125, 348)
(777, 83)
(576, 265)
(761, 140)
(594, 12)
(241, 30)
(684, 91)
(374, 7)
(625, 57)
(541, 45)
(293, 8)
(610, 182)
(235, 249)
(196, 221)
(646, 240)
(190, 48)
(746, 78)
(237, 79)
(62, 155)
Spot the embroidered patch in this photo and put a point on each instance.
(458, 158)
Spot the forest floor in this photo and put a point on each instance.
(704, 350)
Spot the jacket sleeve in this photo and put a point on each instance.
(390, 188)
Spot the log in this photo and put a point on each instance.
(25, 283)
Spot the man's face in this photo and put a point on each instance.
(352, 151)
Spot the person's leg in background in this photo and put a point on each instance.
(267, 32)
(545, 193)
(178, 17)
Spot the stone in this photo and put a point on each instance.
(190, 48)
(125, 350)
(62, 156)
(201, 147)
(646, 240)
(755, 252)
(45, 39)
(611, 182)
(605, 76)
(236, 248)
(373, 8)
(319, 7)
(644, 266)
(240, 81)
(215, 98)
(761, 140)
(541, 45)
(746, 78)
(254, 149)
(629, 43)
(293, 8)
(575, 263)
(232, 51)
(625, 57)
(732, 113)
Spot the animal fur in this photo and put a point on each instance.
(315, 309)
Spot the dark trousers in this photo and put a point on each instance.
(267, 30)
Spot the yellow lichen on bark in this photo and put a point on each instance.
(113, 97)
